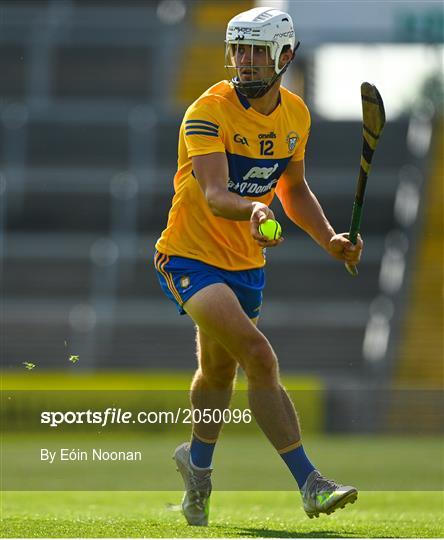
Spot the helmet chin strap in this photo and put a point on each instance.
(251, 89)
(257, 89)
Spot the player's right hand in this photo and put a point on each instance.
(261, 213)
(341, 248)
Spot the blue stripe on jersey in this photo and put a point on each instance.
(254, 176)
(201, 133)
(203, 128)
(201, 122)
(244, 101)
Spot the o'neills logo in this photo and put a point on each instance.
(271, 135)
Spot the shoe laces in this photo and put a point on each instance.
(200, 488)
(200, 481)
(198, 498)
(322, 484)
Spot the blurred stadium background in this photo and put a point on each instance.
(91, 98)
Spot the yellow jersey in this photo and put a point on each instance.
(258, 149)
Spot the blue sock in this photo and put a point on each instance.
(201, 453)
(299, 464)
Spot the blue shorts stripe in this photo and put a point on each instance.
(170, 282)
(161, 263)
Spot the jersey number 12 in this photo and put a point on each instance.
(266, 148)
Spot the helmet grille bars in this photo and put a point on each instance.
(254, 87)
(259, 27)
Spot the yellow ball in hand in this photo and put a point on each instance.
(271, 229)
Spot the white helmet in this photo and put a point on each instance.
(261, 26)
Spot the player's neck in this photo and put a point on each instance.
(268, 103)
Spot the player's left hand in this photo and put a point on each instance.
(341, 248)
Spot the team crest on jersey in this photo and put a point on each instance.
(184, 282)
(292, 139)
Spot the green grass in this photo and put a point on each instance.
(22, 379)
(374, 464)
(377, 465)
(243, 462)
(233, 514)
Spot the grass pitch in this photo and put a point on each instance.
(233, 514)
(372, 463)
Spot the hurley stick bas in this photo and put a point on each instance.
(373, 120)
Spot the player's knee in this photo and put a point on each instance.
(219, 375)
(261, 363)
(216, 366)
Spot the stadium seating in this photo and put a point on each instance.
(89, 146)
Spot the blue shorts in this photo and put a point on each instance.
(181, 277)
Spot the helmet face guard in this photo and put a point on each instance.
(265, 33)
(255, 87)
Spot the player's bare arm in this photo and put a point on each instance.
(237, 140)
(211, 171)
(303, 208)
